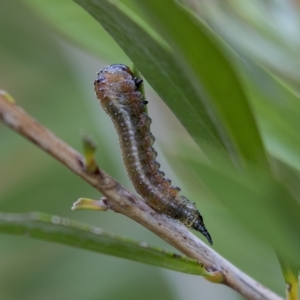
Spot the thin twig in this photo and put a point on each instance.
(122, 201)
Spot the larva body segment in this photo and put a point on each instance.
(117, 90)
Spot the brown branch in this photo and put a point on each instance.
(122, 201)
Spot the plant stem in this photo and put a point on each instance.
(122, 201)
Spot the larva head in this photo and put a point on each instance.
(113, 81)
(116, 68)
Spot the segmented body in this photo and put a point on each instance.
(117, 90)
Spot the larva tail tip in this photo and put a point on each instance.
(208, 237)
(202, 229)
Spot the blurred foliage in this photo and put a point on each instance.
(62, 230)
(235, 89)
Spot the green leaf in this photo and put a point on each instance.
(267, 32)
(211, 75)
(278, 112)
(259, 201)
(211, 114)
(64, 231)
(158, 65)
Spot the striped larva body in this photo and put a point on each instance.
(117, 90)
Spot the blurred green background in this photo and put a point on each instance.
(51, 77)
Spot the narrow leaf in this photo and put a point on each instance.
(64, 231)
(210, 73)
(158, 65)
(260, 202)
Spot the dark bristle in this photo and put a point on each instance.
(138, 81)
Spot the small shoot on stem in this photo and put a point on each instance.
(90, 165)
(215, 277)
(291, 277)
(90, 204)
(7, 96)
(89, 149)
